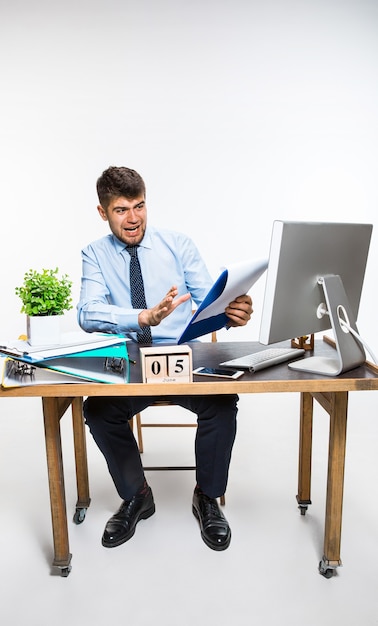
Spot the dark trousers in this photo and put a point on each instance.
(108, 420)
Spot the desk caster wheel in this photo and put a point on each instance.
(303, 505)
(65, 571)
(327, 572)
(303, 508)
(79, 515)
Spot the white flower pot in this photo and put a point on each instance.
(43, 330)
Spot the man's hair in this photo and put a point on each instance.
(119, 181)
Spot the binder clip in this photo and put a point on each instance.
(22, 369)
(114, 365)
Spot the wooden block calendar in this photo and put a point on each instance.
(166, 364)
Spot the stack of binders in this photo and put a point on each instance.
(81, 357)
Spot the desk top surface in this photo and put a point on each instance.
(278, 378)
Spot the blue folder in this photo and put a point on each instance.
(232, 282)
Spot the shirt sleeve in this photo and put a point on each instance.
(95, 313)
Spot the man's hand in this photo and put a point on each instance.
(153, 317)
(239, 311)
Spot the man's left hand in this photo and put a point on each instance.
(239, 311)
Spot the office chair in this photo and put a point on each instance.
(140, 424)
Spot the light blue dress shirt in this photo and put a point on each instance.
(166, 257)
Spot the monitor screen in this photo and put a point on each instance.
(301, 255)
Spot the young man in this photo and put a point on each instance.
(170, 264)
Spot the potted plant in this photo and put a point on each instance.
(44, 297)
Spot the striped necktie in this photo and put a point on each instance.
(138, 298)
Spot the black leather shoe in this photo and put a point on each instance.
(215, 530)
(121, 525)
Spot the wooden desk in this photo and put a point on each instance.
(330, 393)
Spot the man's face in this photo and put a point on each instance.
(127, 218)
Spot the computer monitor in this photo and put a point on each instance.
(314, 283)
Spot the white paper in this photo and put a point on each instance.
(241, 277)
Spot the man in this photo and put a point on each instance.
(171, 265)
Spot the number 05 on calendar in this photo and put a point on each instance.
(166, 364)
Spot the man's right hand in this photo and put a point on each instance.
(153, 317)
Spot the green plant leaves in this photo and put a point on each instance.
(44, 293)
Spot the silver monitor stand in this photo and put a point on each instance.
(349, 352)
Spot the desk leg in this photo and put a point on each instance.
(305, 452)
(338, 410)
(53, 409)
(83, 499)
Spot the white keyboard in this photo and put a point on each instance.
(265, 358)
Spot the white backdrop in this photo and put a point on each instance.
(235, 112)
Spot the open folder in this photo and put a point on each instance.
(235, 281)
